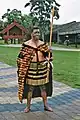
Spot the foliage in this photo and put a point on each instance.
(27, 20)
(41, 10)
(10, 16)
(1, 25)
(15, 14)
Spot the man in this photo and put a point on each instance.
(33, 71)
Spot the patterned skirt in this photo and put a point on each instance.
(37, 74)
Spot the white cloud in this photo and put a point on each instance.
(13, 4)
(69, 9)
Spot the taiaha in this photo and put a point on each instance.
(51, 29)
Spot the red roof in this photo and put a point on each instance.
(12, 25)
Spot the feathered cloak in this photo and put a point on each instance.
(23, 62)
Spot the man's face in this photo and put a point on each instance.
(36, 34)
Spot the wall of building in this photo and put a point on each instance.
(15, 31)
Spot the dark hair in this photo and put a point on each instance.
(33, 28)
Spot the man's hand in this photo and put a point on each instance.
(50, 48)
(48, 59)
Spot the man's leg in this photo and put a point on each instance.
(30, 92)
(44, 96)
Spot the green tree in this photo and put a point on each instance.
(41, 10)
(1, 25)
(17, 15)
(10, 16)
(27, 20)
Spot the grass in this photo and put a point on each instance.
(66, 64)
(55, 45)
(67, 67)
(8, 55)
(65, 46)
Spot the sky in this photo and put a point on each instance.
(69, 10)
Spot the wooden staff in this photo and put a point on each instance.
(51, 29)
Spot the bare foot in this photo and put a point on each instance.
(26, 110)
(47, 108)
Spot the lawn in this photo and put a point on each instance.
(55, 45)
(9, 55)
(66, 64)
(65, 46)
(67, 67)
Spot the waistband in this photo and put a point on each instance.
(38, 61)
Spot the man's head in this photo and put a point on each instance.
(35, 33)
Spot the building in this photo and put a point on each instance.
(69, 31)
(14, 32)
